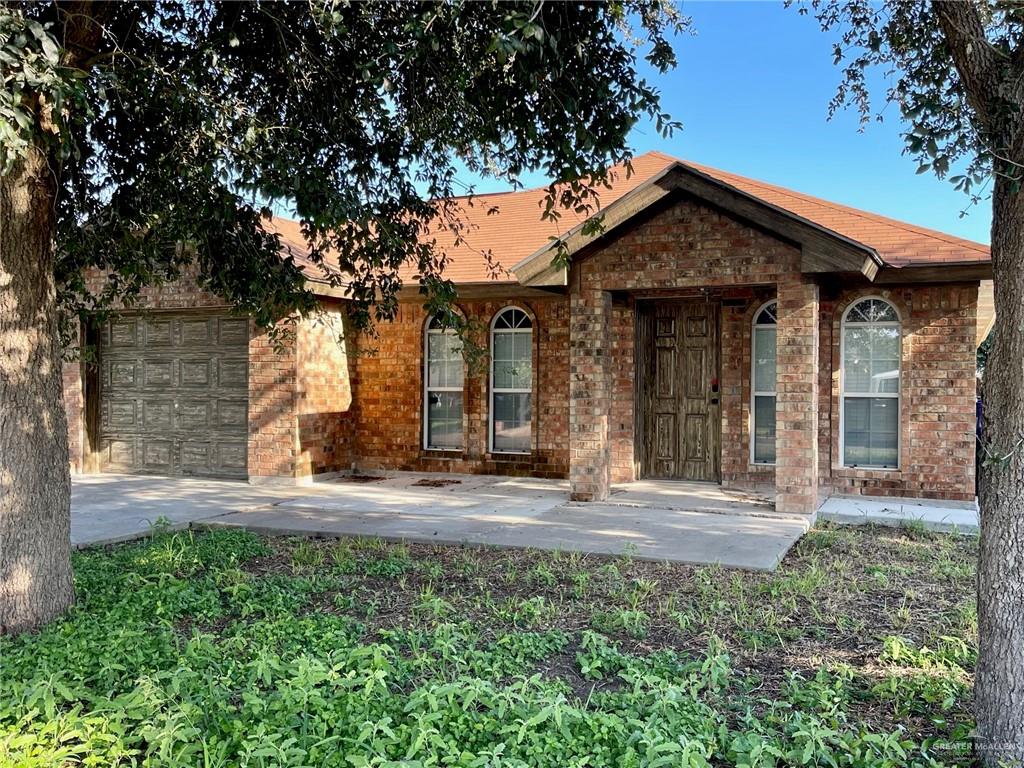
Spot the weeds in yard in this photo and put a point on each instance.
(225, 649)
(631, 622)
(306, 556)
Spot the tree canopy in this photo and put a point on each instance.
(171, 123)
(950, 123)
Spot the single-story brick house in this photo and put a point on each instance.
(719, 329)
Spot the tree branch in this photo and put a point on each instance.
(976, 59)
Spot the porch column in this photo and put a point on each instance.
(796, 405)
(589, 394)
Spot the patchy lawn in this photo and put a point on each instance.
(227, 649)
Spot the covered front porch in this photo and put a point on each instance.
(718, 384)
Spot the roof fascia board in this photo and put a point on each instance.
(949, 272)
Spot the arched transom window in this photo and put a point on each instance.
(870, 385)
(442, 389)
(762, 385)
(511, 411)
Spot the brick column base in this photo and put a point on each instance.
(796, 404)
(589, 395)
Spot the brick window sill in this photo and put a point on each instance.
(440, 455)
(510, 458)
(854, 473)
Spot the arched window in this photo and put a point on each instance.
(762, 385)
(511, 411)
(870, 385)
(442, 389)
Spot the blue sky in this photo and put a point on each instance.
(752, 91)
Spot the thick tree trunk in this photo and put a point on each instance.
(999, 682)
(35, 484)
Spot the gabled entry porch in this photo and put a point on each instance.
(673, 394)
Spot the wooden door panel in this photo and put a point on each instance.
(694, 438)
(695, 373)
(665, 373)
(678, 361)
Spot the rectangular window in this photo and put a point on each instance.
(871, 431)
(443, 391)
(764, 429)
(512, 417)
(444, 420)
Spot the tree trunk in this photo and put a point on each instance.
(999, 681)
(35, 483)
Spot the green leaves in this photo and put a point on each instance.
(226, 649)
(39, 96)
(186, 122)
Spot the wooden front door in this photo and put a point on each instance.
(679, 424)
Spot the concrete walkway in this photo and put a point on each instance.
(693, 523)
(950, 516)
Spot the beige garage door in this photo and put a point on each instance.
(173, 394)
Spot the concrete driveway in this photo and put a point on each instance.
(697, 524)
(106, 509)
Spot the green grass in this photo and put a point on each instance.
(227, 649)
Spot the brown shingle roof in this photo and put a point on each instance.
(898, 243)
(517, 230)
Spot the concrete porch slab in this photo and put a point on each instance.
(688, 537)
(692, 497)
(522, 512)
(958, 517)
(456, 509)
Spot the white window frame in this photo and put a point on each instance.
(509, 390)
(897, 395)
(427, 389)
(754, 393)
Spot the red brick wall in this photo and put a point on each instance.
(316, 407)
(388, 395)
(687, 247)
(937, 411)
(738, 308)
(676, 252)
(796, 411)
(623, 380)
(325, 418)
(273, 438)
(74, 405)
